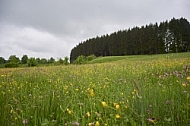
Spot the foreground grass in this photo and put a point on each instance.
(146, 91)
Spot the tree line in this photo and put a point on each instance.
(14, 61)
(168, 36)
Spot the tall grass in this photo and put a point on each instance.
(150, 91)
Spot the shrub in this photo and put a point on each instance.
(32, 62)
(84, 59)
(91, 57)
(11, 65)
(80, 60)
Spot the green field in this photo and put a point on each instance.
(125, 91)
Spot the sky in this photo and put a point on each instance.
(51, 28)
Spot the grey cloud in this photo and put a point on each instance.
(68, 22)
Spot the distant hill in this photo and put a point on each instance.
(169, 36)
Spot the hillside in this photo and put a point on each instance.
(159, 38)
(169, 56)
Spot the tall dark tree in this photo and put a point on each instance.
(51, 60)
(13, 59)
(24, 59)
(2, 60)
(43, 61)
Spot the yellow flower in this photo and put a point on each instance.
(117, 106)
(184, 85)
(88, 114)
(114, 104)
(92, 92)
(69, 111)
(117, 116)
(188, 78)
(104, 104)
(90, 124)
(11, 111)
(97, 123)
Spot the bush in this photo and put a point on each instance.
(66, 60)
(32, 62)
(91, 57)
(84, 59)
(11, 65)
(80, 60)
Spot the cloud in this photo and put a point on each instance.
(20, 41)
(53, 27)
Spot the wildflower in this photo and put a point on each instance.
(117, 106)
(91, 124)
(92, 92)
(11, 111)
(97, 114)
(88, 114)
(97, 123)
(104, 104)
(133, 93)
(69, 111)
(75, 123)
(117, 116)
(25, 121)
(114, 104)
(184, 85)
(188, 78)
(152, 120)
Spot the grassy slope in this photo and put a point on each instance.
(139, 57)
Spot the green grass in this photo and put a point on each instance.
(139, 57)
(129, 91)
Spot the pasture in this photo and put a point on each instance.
(123, 91)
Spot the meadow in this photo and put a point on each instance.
(124, 91)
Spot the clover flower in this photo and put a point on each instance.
(75, 123)
(25, 121)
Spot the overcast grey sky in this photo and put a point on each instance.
(51, 28)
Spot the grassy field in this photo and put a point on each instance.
(129, 91)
